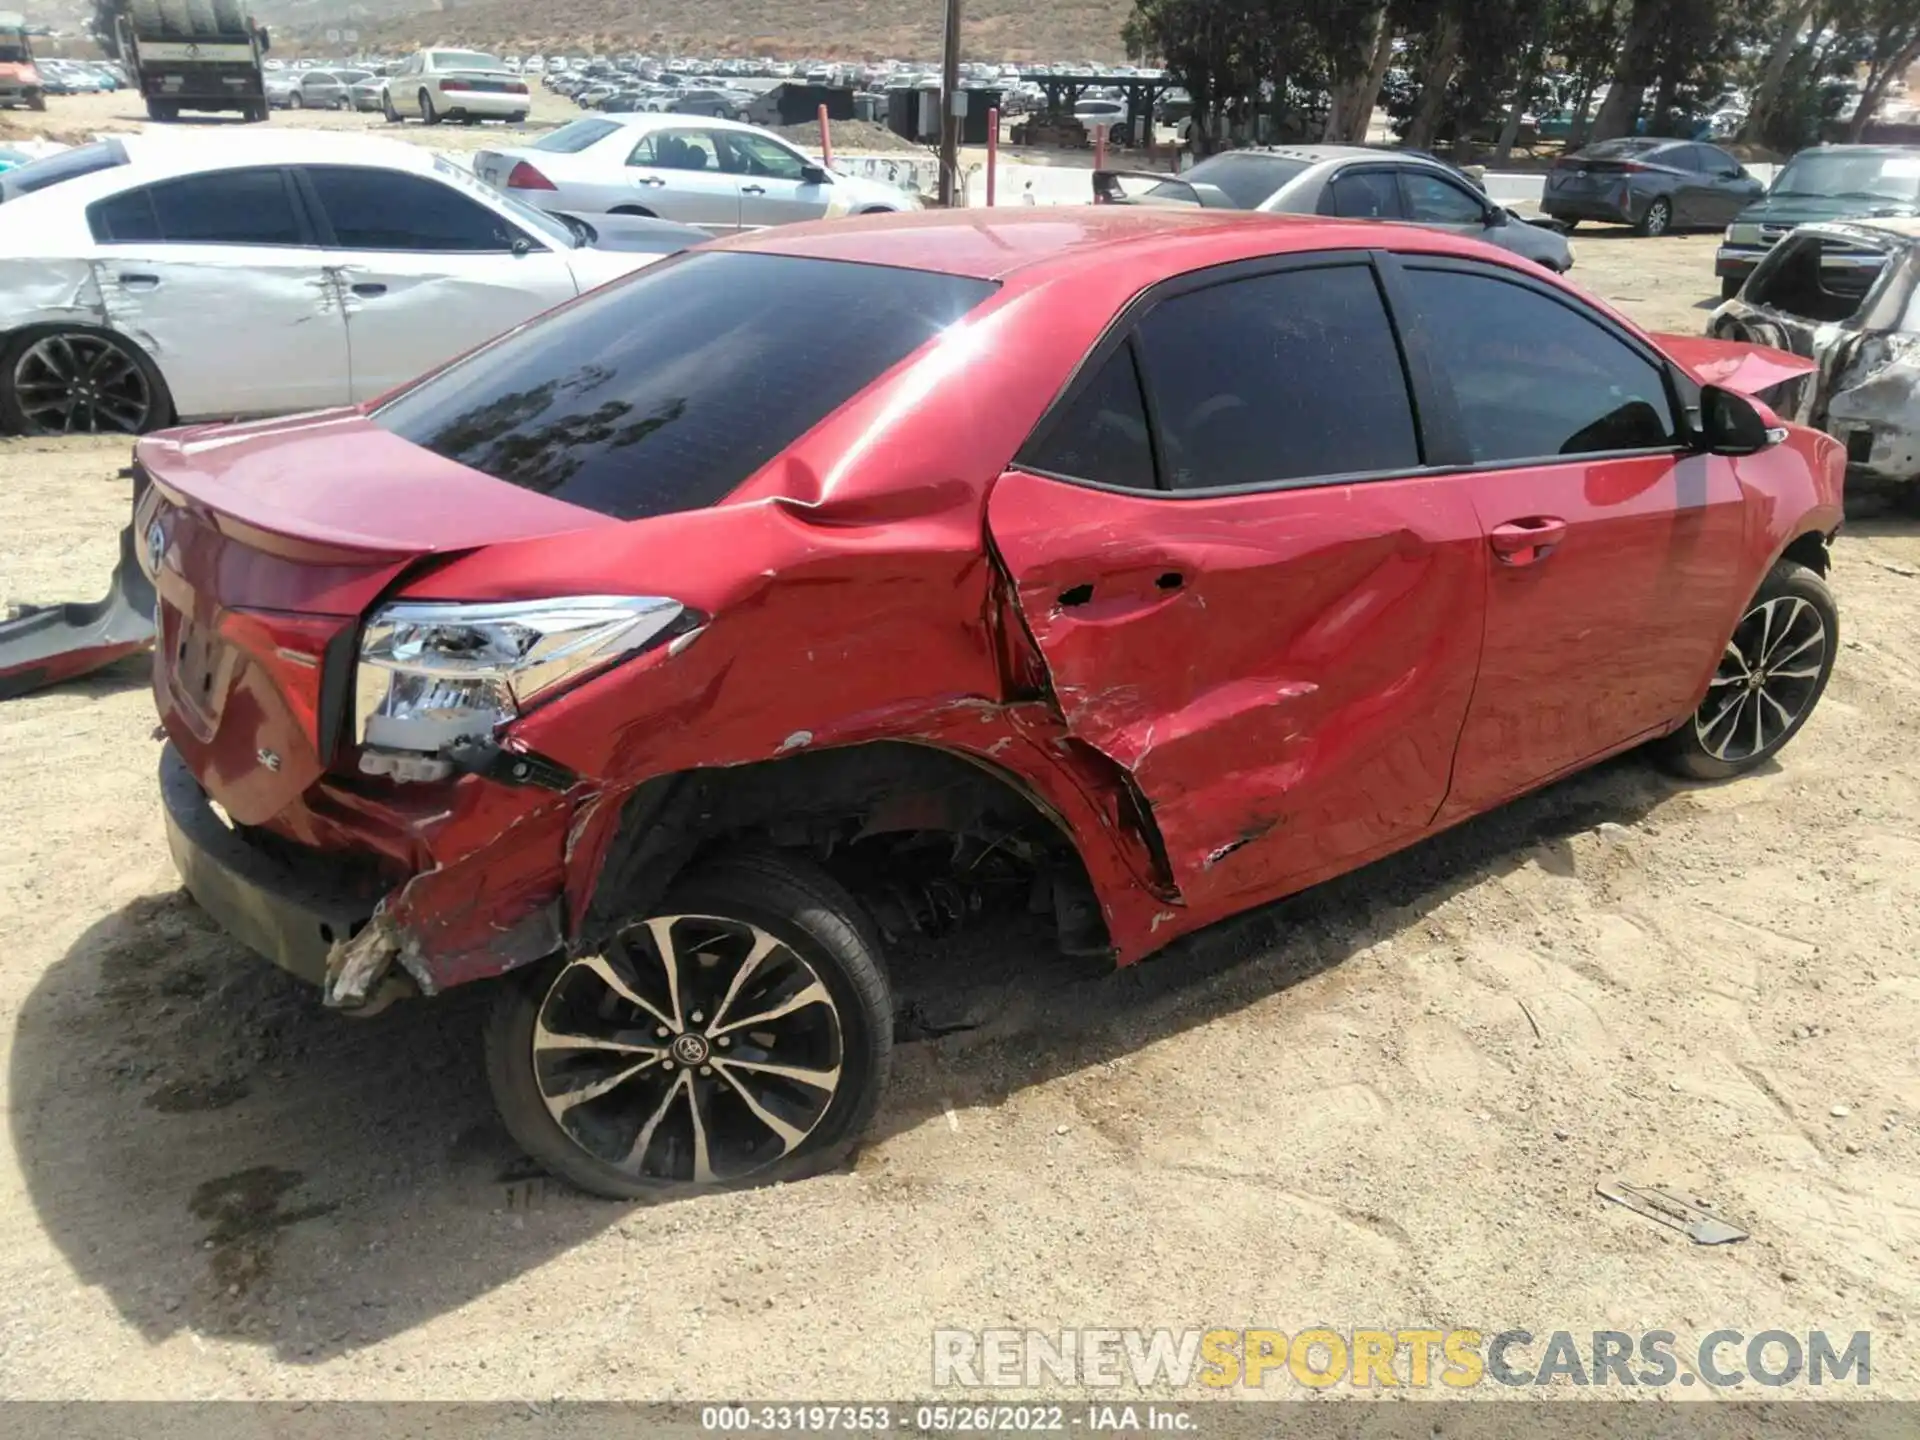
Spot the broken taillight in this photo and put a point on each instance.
(526, 177)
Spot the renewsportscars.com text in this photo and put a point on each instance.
(1321, 1358)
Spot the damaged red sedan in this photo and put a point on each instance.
(1155, 564)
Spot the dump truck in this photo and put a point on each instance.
(187, 54)
(19, 79)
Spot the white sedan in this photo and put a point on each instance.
(464, 85)
(718, 174)
(164, 278)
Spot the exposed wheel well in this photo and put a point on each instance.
(907, 827)
(639, 210)
(1811, 551)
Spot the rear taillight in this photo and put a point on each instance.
(514, 87)
(525, 177)
(461, 85)
(1633, 167)
(290, 648)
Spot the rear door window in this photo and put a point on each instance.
(1102, 434)
(664, 391)
(1278, 377)
(221, 207)
(1534, 378)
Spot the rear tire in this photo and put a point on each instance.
(230, 16)
(294, 102)
(428, 114)
(1770, 678)
(163, 111)
(38, 383)
(699, 1103)
(37, 100)
(637, 210)
(1659, 218)
(386, 108)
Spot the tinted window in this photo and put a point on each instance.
(1245, 179)
(663, 392)
(223, 207)
(1102, 435)
(575, 136)
(1365, 195)
(1532, 376)
(81, 160)
(387, 210)
(464, 60)
(1277, 378)
(1621, 149)
(678, 150)
(1685, 157)
(1716, 160)
(1434, 201)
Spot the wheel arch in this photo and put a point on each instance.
(16, 337)
(813, 802)
(1810, 549)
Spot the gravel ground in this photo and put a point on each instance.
(1386, 1105)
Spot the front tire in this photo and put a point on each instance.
(1730, 287)
(294, 102)
(387, 109)
(739, 1034)
(1771, 675)
(1658, 219)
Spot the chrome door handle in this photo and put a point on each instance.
(753, 189)
(649, 180)
(139, 282)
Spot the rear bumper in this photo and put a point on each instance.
(485, 103)
(1584, 207)
(289, 910)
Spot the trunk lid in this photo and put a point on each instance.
(266, 543)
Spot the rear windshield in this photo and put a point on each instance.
(1627, 145)
(575, 136)
(1246, 180)
(67, 165)
(464, 60)
(665, 391)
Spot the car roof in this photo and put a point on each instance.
(156, 153)
(1031, 243)
(1858, 150)
(1312, 154)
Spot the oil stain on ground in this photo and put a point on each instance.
(245, 1211)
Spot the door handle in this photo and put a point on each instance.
(1524, 542)
(369, 288)
(649, 180)
(753, 189)
(139, 282)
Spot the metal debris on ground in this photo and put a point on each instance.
(1672, 1208)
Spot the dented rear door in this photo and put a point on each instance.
(1271, 621)
(236, 330)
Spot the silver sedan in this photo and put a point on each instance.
(1343, 180)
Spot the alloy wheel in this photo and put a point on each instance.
(1659, 215)
(1766, 682)
(696, 1050)
(74, 384)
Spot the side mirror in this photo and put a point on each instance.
(815, 175)
(1731, 424)
(1496, 217)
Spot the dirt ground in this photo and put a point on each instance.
(1385, 1104)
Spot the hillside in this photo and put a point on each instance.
(818, 29)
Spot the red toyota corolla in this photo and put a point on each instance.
(673, 650)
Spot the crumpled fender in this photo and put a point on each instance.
(45, 645)
(1734, 364)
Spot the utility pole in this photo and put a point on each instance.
(949, 99)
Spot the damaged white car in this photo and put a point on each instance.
(1846, 295)
(182, 279)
